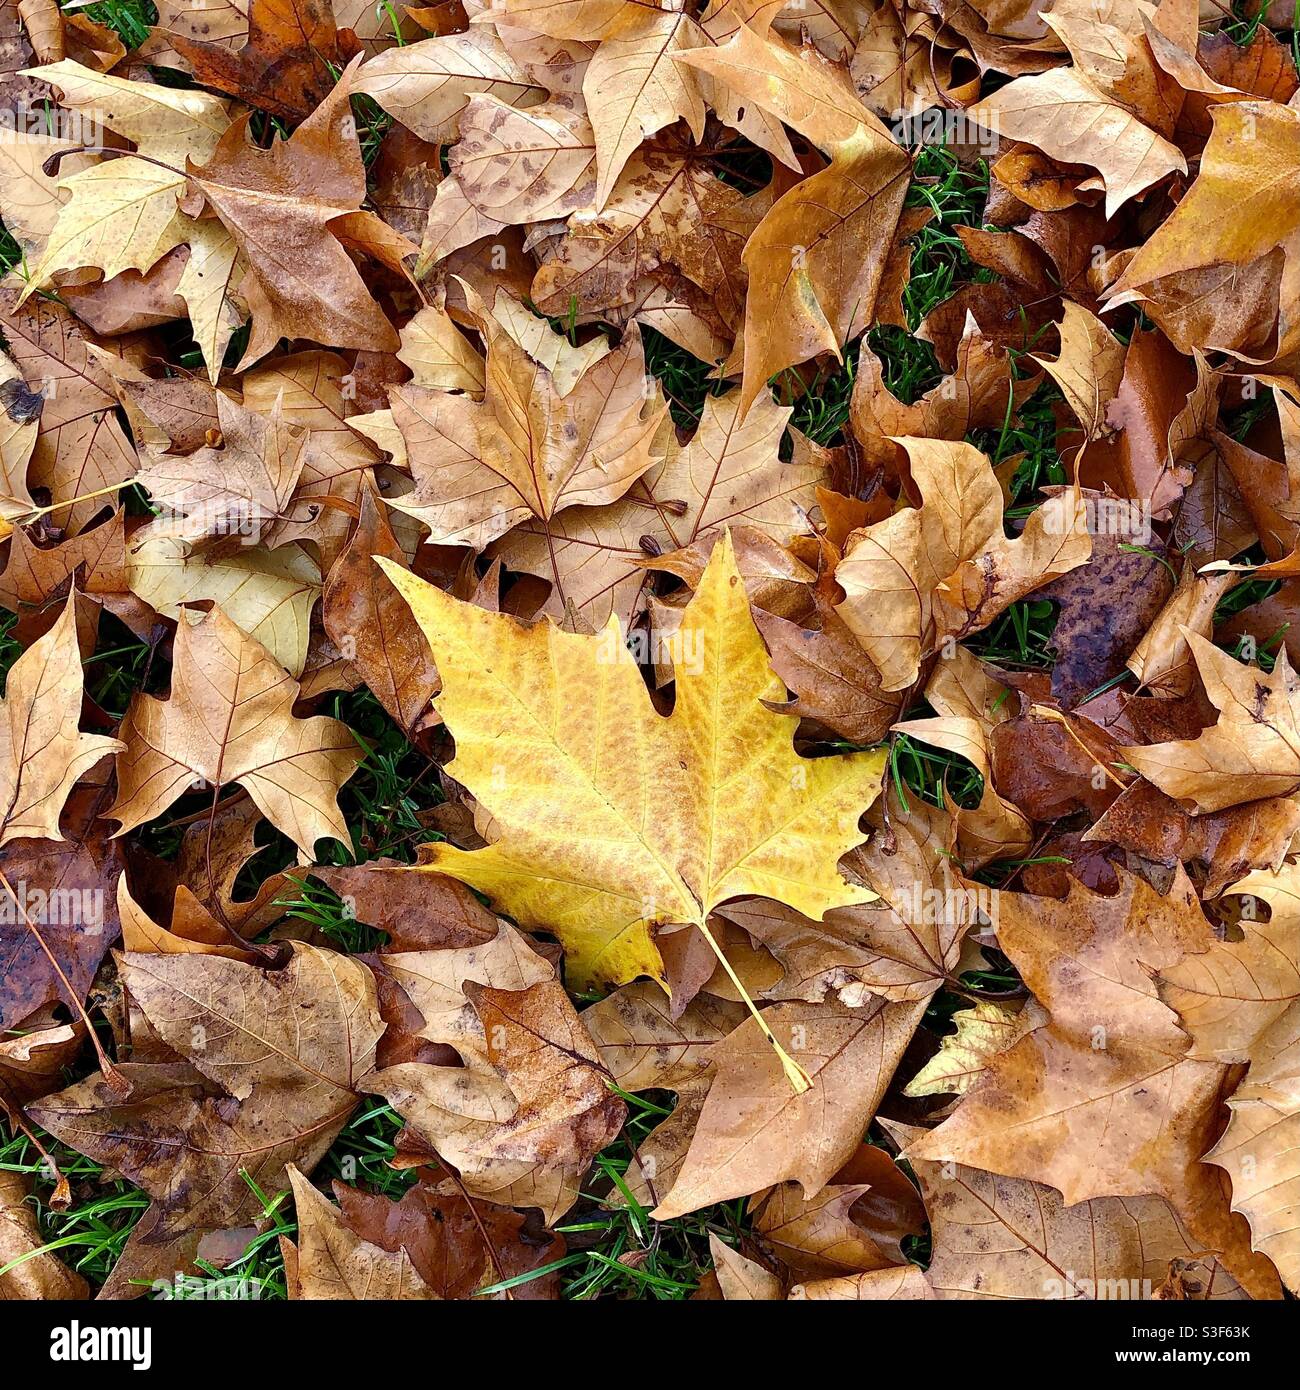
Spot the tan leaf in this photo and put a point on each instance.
(332, 1262)
(526, 450)
(1138, 1109)
(816, 260)
(1162, 661)
(1250, 162)
(880, 1284)
(20, 413)
(32, 198)
(439, 355)
(236, 490)
(44, 752)
(1088, 369)
(742, 1279)
(946, 568)
(312, 391)
(1232, 995)
(80, 447)
(270, 594)
(34, 577)
(818, 1237)
(193, 932)
(207, 283)
(510, 166)
(633, 88)
(33, 1275)
(997, 1237)
(1240, 1001)
(753, 1131)
(166, 123)
(229, 719)
(291, 1043)
(647, 1043)
(1253, 750)
(426, 85)
(729, 473)
(122, 213)
(523, 1120)
(276, 204)
(668, 212)
(801, 88)
(1063, 114)
(970, 704)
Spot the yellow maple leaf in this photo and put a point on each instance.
(611, 819)
(982, 1032)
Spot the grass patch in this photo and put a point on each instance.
(130, 20)
(615, 1249)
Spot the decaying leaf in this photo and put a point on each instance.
(80, 447)
(229, 719)
(1137, 1071)
(985, 1029)
(1238, 1001)
(519, 1123)
(1001, 1238)
(1249, 753)
(556, 428)
(44, 752)
(277, 204)
(30, 1272)
(849, 1054)
(331, 1262)
(944, 569)
(268, 1066)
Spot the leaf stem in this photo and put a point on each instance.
(799, 1079)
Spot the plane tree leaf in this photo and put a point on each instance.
(661, 849)
(229, 719)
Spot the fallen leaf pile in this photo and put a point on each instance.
(613, 628)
